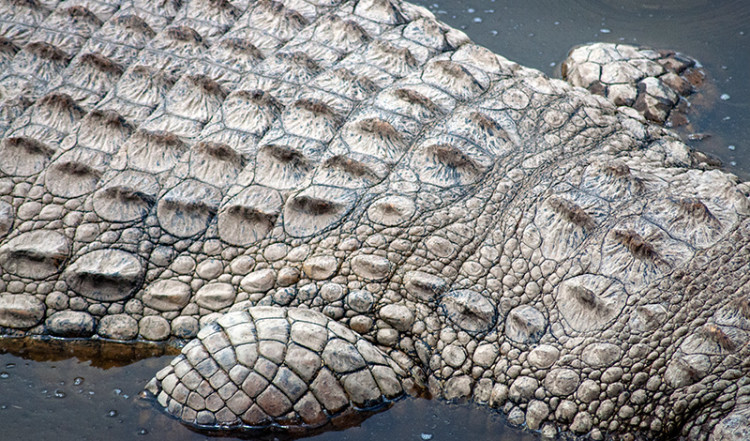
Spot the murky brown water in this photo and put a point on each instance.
(68, 399)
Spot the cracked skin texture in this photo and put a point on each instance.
(353, 202)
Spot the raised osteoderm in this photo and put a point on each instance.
(354, 202)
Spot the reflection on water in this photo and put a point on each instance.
(71, 400)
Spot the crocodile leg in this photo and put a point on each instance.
(734, 427)
(271, 367)
(656, 84)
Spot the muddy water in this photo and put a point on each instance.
(70, 399)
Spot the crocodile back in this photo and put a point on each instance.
(164, 163)
(146, 144)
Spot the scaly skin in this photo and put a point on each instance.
(355, 202)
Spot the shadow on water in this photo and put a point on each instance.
(62, 393)
(98, 353)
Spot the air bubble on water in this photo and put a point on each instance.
(604, 31)
(142, 432)
(493, 32)
(112, 413)
(59, 394)
(77, 381)
(477, 19)
(733, 163)
(10, 365)
(4, 375)
(117, 391)
(471, 10)
(731, 147)
(724, 96)
(426, 436)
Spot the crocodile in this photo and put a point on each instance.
(337, 203)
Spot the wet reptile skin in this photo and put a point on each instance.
(354, 202)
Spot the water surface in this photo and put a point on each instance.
(69, 399)
(539, 34)
(52, 397)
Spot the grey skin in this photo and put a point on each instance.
(354, 202)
